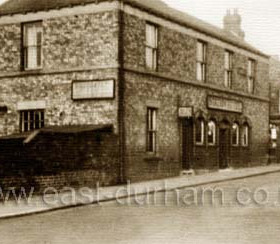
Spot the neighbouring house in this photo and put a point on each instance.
(274, 79)
(110, 91)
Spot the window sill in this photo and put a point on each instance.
(199, 144)
(32, 71)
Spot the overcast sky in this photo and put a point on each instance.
(260, 18)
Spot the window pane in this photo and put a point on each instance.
(152, 127)
(199, 75)
(235, 134)
(31, 57)
(227, 61)
(245, 135)
(200, 53)
(199, 131)
(211, 132)
(149, 57)
(151, 36)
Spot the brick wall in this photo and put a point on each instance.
(60, 160)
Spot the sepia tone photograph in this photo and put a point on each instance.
(139, 122)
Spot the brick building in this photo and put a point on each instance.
(274, 78)
(170, 91)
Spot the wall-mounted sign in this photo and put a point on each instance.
(224, 104)
(185, 112)
(101, 89)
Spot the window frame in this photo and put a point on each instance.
(28, 121)
(228, 69)
(214, 134)
(201, 61)
(251, 75)
(153, 47)
(202, 131)
(25, 46)
(152, 114)
(237, 135)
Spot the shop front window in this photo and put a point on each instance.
(199, 132)
(211, 135)
(235, 134)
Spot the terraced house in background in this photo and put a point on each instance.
(126, 90)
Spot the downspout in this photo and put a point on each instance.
(121, 99)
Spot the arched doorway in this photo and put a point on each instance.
(224, 144)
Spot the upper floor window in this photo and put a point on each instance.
(251, 75)
(211, 133)
(235, 134)
(151, 129)
(31, 120)
(228, 69)
(201, 61)
(32, 45)
(199, 131)
(151, 46)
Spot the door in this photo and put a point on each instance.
(224, 148)
(187, 143)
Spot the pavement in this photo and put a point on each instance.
(15, 206)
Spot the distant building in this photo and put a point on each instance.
(127, 90)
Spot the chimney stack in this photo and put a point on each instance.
(232, 23)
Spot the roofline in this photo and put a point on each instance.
(158, 14)
(183, 23)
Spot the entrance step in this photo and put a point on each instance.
(190, 172)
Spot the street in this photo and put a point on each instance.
(242, 211)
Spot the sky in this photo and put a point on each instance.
(260, 18)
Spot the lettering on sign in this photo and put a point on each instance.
(101, 89)
(185, 112)
(225, 104)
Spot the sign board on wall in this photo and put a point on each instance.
(185, 112)
(224, 104)
(93, 89)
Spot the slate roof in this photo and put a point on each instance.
(156, 7)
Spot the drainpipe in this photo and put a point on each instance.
(121, 98)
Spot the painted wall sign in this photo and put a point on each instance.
(101, 89)
(225, 104)
(185, 112)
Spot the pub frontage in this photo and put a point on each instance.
(110, 91)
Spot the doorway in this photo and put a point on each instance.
(224, 147)
(187, 143)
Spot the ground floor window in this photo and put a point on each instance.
(235, 134)
(211, 135)
(199, 131)
(151, 129)
(31, 120)
(245, 135)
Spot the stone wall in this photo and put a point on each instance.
(56, 90)
(68, 42)
(177, 58)
(175, 85)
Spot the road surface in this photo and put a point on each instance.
(238, 212)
